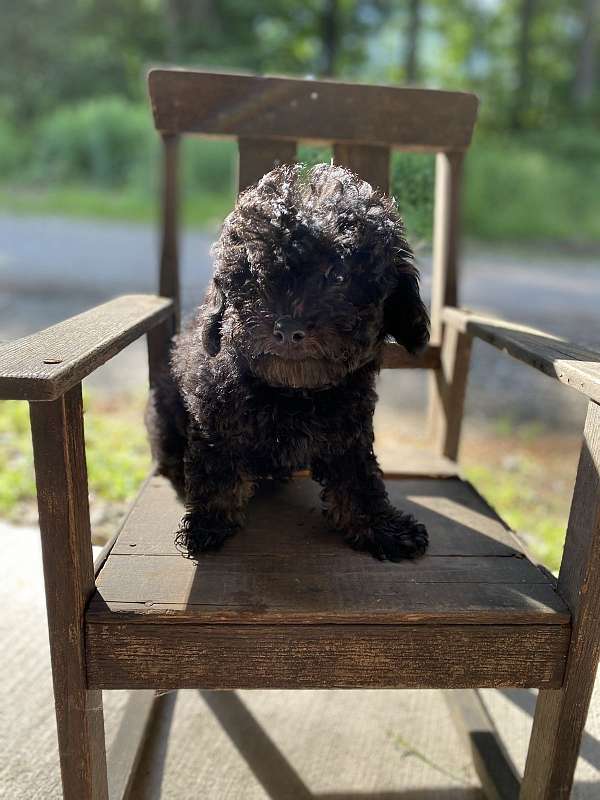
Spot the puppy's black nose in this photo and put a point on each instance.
(288, 331)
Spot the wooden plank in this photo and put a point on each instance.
(470, 591)
(256, 157)
(446, 237)
(575, 366)
(330, 111)
(560, 716)
(421, 604)
(370, 162)
(46, 364)
(493, 765)
(447, 384)
(450, 390)
(169, 248)
(127, 746)
(286, 520)
(396, 357)
(324, 656)
(286, 566)
(60, 468)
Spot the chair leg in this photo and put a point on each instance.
(560, 714)
(81, 743)
(61, 476)
(558, 725)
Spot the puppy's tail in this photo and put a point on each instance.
(167, 422)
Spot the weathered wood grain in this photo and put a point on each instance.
(494, 767)
(369, 162)
(60, 468)
(259, 156)
(46, 364)
(560, 715)
(324, 656)
(396, 357)
(285, 566)
(575, 366)
(449, 394)
(447, 384)
(330, 111)
(446, 237)
(169, 247)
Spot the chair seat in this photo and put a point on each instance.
(287, 603)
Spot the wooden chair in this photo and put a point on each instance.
(310, 612)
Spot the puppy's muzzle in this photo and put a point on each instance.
(288, 331)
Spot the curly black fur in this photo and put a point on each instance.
(277, 370)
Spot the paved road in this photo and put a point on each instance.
(53, 267)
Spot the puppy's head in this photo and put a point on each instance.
(311, 274)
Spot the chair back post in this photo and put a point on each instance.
(259, 156)
(447, 384)
(169, 258)
(370, 162)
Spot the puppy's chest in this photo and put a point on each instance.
(288, 428)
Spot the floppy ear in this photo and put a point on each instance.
(211, 316)
(405, 316)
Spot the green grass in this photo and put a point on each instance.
(117, 454)
(204, 209)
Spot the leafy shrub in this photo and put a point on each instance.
(532, 188)
(412, 184)
(208, 165)
(105, 141)
(13, 151)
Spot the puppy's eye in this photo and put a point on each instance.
(335, 276)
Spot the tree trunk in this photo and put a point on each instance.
(585, 72)
(411, 61)
(523, 91)
(173, 29)
(330, 36)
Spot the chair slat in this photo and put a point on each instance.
(258, 156)
(370, 162)
(328, 111)
(169, 256)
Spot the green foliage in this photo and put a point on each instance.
(515, 494)
(14, 150)
(103, 140)
(118, 453)
(534, 188)
(208, 165)
(412, 179)
(17, 486)
(118, 456)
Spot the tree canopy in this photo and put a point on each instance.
(533, 62)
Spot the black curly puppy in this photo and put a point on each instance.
(277, 370)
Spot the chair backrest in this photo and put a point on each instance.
(269, 116)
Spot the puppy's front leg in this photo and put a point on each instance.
(215, 495)
(356, 503)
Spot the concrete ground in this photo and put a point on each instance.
(277, 745)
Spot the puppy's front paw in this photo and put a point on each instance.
(198, 533)
(392, 536)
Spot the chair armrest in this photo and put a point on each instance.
(569, 363)
(45, 365)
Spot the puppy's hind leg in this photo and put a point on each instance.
(356, 503)
(216, 493)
